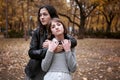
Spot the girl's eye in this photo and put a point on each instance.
(58, 24)
(53, 26)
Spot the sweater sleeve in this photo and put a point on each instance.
(46, 62)
(71, 60)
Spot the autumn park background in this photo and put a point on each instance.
(94, 23)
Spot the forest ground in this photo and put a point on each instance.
(98, 59)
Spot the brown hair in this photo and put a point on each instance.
(50, 35)
(53, 14)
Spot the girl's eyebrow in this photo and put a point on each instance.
(52, 25)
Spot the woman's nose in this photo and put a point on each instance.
(42, 16)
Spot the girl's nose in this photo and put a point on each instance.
(56, 27)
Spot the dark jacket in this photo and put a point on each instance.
(37, 53)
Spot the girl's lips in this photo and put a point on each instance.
(57, 30)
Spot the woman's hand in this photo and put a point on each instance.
(59, 48)
(66, 45)
(46, 43)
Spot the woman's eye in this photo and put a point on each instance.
(45, 14)
(40, 15)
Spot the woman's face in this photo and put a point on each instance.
(44, 16)
(57, 28)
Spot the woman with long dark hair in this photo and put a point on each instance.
(39, 43)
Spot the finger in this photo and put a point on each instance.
(69, 41)
(46, 40)
(56, 42)
(59, 46)
(62, 42)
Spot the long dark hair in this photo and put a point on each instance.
(50, 35)
(53, 14)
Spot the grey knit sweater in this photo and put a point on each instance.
(59, 62)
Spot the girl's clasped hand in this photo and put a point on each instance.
(54, 45)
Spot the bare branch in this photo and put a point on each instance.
(69, 19)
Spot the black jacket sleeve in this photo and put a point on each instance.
(36, 51)
(73, 40)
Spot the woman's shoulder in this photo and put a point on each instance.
(68, 36)
(36, 29)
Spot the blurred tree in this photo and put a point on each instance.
(111, 9)
(84, 8)
(22, 14)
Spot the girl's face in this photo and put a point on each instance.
(44, 16)
(57, 28)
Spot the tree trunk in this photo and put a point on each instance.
(6, 31)
(108, 27)
(81, 28)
